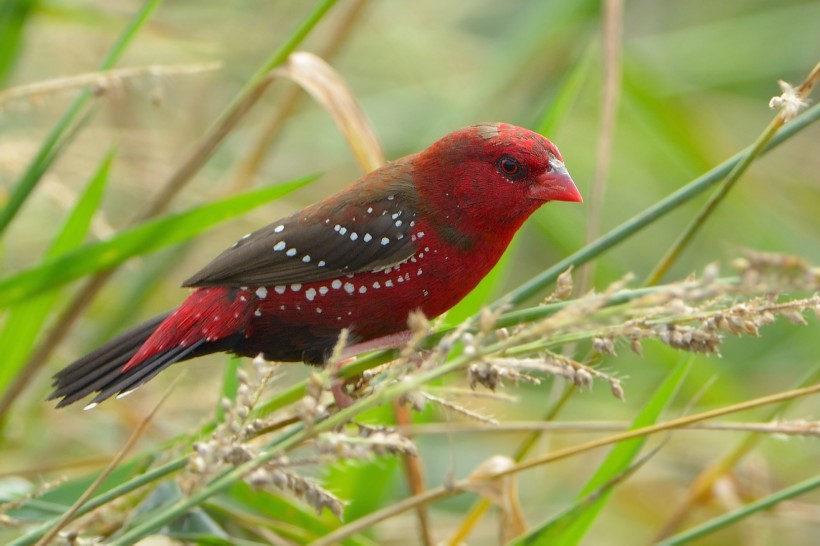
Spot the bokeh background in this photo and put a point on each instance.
(695, 82)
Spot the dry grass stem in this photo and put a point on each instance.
(102, 83)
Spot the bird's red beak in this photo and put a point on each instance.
(556, 185)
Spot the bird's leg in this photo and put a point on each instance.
(391, 341)
(337, 386)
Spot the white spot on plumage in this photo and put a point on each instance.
(321, 263)
(395, 215)
(124, 393)
(279, 229)
(412, 223)
(280, 288)
(425, 292)
(362, 289)
(257, 313)
(369, 210)
(323, 290)
(282, 307)
(377, 285)
(400, 278)
(385, 241)
(391, 197)
(343, 231)
(291, 252)
(280, 246)
(296, 287)
(319, 310)
(336, 284)
(306, 258)
(243, 298)
(388, 284)
(420, 234)
(261, 293)
(419, 272)
(354, 236)
(310, 293)
(367, 237)
(349, 288)
(398, 223)
(91, 406)
(337, 227)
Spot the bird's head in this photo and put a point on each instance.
(492, 176)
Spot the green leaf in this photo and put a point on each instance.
(571, 526)
(13, 16)
(25, 320)
(142, 239)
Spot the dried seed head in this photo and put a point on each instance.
(617, 390)
(603, 345)
(635, 345)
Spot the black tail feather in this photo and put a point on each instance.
(101, 369)
(127, 382)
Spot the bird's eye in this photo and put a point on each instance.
(510, 167)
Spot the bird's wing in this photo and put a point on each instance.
(324, 241)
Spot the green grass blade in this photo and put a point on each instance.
(729, 518)
(571, 526)
(25, 320)
(45, 155)
(13, 15)
(139, 240)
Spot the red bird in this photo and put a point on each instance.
(418, 233)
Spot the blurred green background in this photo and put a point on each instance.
(697, 76)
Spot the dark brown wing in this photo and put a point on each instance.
(324, 241)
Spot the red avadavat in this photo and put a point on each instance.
(418, 233)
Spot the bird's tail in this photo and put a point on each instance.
(101, 370)
(210, 320)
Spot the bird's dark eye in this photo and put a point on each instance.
(510, 167)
